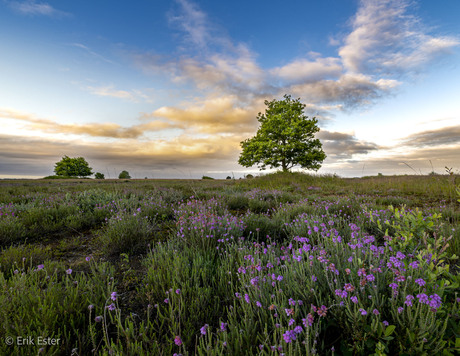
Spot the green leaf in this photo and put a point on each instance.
(389, 330)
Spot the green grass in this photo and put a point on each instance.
(182, 254)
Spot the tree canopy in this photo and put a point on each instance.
(124, 175)
(284, 139)
(72, 167)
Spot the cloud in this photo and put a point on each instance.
(33, 8)
(304, 70)
(92, 53)
(185, 153)
(220, 114)
(350, 90)
(109, 91)
(193, 21)
(386, 38)
(341, 146)
(439, 137)
(109, 130)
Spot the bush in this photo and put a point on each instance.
(206, 177)
(99, 176)
(51, 300)
(124, 175)
(11, 230)
(128, 233)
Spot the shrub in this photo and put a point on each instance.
(127, 233)
(124, 175)
(11, 230)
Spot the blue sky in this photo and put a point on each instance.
(169, 89)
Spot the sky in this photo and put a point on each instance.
(169, 89)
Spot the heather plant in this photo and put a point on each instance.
(22, 257)
(51, 301)
(206, 230)
(11, 230)
(325, 272)
(125, 232)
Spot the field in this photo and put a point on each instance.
(284, 264)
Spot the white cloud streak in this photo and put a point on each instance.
(34, 8)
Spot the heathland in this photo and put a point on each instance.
(286, 263)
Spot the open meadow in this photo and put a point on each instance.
(283, 264)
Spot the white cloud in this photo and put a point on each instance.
(32, 8)
(304, 70)
(110, 91)
(386, 38)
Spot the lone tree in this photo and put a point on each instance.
(99, 175)
(72, 167)
(124, 175)
(285, 138)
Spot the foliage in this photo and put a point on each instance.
(127, 233)
(285, 138)
(99, 175)
(286, 263)
(206, 177)
(72, 167)
(124, 175)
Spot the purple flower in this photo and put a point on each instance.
(291, 322)
(420, 282)
(409, 299)
(393, 286)
(259, 304)
(363, 312)
(246, 298)
(178, 341)
(289, 336)
(203, 329)
(111, 307)
(238, 295)
(314, 279)
(370, 277)
(88, 258)
(166, 300)
(113, 296)
(341, 293)
(354, 299)
(177, 291)
(98, 319)
(298, 329)
(90, 307)
(400, 310)
(375, 312)
(309, 320)
(422, 298)
(39, 267)
(435, 301)
(386, 323)
(223, 326)
(69, 271)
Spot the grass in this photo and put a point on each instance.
(290, 264)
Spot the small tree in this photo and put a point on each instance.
(72, 167)
(99, 176)
(284, 139)
(124, 175)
